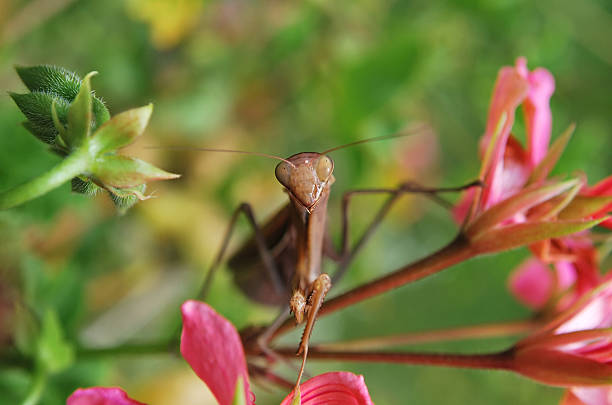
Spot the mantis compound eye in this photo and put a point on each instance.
(283, 173)
(325, 166)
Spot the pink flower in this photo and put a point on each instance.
(574, 349)
(100, 396)
(212, 347)
(506, 165)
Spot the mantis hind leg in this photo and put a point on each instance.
(347, 254)
(266, 255)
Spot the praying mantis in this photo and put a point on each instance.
(281, 261)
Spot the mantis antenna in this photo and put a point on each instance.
(405, 132)
(244, 152)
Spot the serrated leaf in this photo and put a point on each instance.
(584, 206)
(37, 108)
(120, 130)
(45, 134)
(541, 171)
(513, 236)
(518, 203)
(50, 78)
(239, 398)
(80, 114)
(126, 172)
(54, 352)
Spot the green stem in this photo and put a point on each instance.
(73, 165)
(38, 386)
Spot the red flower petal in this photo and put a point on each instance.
(100, 396)
(538, 117)
(604, 187)
(212, 347)
(338, 388)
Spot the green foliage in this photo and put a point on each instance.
(68, 122)
(52, 85)
(121, 130)
(54, 353)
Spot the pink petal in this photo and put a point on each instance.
(538, 117)
(592, 312)
(532, 283)
(100, 396)
(338, 388)
(510, 90)
(212, 347)
(593, 395)
(570, 399)
(515, 171)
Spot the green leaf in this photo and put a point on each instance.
(584, 206)
(519, 202)
(26, 329)
(126, 172)
(59, 126)
(541, 171)
(80, 114)
(54, 352)
(513, 236)
(100, 113)
(121, 130)
(239, 396)
(48, 78)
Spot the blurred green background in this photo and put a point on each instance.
(280, 77)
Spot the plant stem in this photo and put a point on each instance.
(440, 335)
(456, 251)
(128, 349)
(495, 361)
(73, 165)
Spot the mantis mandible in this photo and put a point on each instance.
(293, 242)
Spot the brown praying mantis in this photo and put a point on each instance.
(281, 262)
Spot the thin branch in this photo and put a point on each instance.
(440, 335)
(457, 251)
(493, 361)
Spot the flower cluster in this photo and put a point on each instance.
(574, 348)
